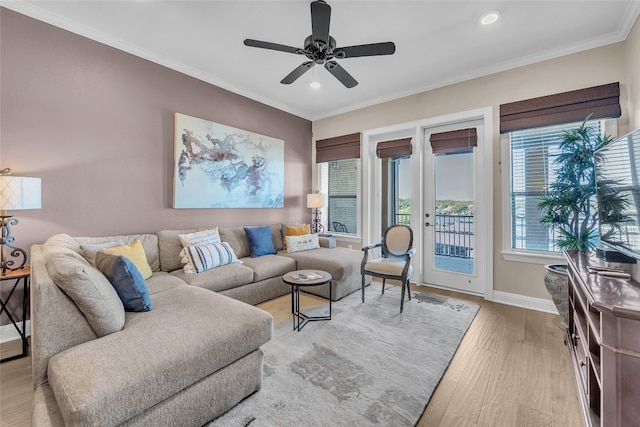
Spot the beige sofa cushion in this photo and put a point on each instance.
(63, 241)
(169, 247)
(237, 238)
(190, 334)
(87, 287)
(339, 262)
(268, 266)
(218, 279)
(162, 281)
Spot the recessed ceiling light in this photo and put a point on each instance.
(314, 85)
(490, 17)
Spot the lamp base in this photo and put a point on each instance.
(6, 261)
(316, 225)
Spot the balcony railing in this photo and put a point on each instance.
(454, 234)
(403, 219)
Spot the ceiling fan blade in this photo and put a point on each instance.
(341, 74)
(373, 49)
(320, 20)
(295, 74)
(271, 46)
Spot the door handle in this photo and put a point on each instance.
(426, 224)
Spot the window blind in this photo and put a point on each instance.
(338, 148)
(598, 101)
(457, 140)
(394, 148)
(533, 153)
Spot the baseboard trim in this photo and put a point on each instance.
(531, 303)
(9, 333)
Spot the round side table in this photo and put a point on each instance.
(301, 279)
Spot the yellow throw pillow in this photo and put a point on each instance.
(296, 230)
(135, 253)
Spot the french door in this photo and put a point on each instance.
(452, 219)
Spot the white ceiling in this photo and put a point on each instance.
(437, 42)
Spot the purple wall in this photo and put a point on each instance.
(96, 124)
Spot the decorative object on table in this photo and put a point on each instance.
(569, 205)
(368, 366)
(316, 201)
(395, 264)
(218, 166)
(16, 193)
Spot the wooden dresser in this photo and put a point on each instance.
(604, 342)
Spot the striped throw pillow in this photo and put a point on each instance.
(197, 259)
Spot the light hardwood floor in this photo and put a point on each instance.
(511, 369)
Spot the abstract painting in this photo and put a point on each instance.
(218, 166)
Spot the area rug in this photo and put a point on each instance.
(369, 365)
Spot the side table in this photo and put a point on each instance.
(19, 275)
(303, 278)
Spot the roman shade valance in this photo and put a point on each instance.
(456, 140)
(394, 148)
(338, 148)
(599, 101)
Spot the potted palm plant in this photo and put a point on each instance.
(569, 205)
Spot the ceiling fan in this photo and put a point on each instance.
(320, 48)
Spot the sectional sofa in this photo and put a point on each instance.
(185, 362)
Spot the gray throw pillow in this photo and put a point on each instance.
(89, 290)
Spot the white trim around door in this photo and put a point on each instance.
(372, 185)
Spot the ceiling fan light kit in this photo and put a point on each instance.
(490, 17)
(321, 49)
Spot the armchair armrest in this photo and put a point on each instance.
(371, 246)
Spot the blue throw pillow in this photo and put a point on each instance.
(260, 241)
(126, 279)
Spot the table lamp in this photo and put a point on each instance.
(316, 201)
(16, 193)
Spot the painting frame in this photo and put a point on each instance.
(219, 166)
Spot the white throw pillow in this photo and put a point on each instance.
(302, 243)
(205, 237)
(197, 259)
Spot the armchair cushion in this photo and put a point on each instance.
(387, 266)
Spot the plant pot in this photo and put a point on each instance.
(556, 281)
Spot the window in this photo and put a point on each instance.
(339, 180)
(530, 159)
(396, 190)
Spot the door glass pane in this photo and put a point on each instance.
(453, 222)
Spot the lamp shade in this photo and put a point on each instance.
(18, 193)
(315, 200)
